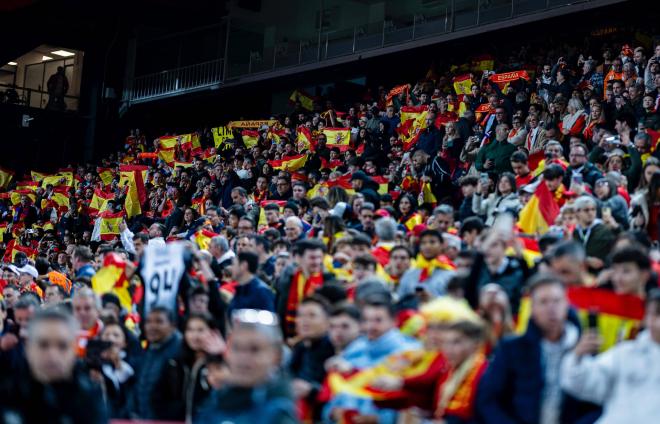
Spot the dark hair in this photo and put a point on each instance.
(568, 248)
(519, 157)
(634, 255)
(304, 245)
(272, 207)
(379, 302)
(252, 259)
(318, 300)
(360, 240)
(626, 117)
(248, 219)
(26, 302)
(262, 241)
(144, 238)
(401, 247)
(365, 261)
(347, 309)
(319, 202)
(553, 171)
(653, 296)
(429, 232)
(197, 290)
(187, 354)
(542, 280)
(470, 224)
(169, 314)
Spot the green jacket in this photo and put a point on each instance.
(500, 152)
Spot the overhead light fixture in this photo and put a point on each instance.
(44, 58)
(63, 53)
(12, 63)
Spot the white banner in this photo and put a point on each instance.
(162, 269)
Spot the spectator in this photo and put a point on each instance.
(495, 156)
(251, 292)
(590, 231)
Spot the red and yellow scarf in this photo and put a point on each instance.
(300, 287)
(458, 393)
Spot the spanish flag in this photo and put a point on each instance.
(15, 196)
(304, 137)
(540, 212)
(337, 136)
(133, 176)
(106, 175)
(427, 194)
(38, 176)
(168, 142)
(59, 198)
(250, 138)
(199, 204)
(383, 184)
(203, 238)
(110, 224)
(332, 165)
(99, 201)
(306, 101)
(3, 230)
(289, 163)
(619, 316)
(6, 176)
(411, 221)
(167, 155)
(463, 84)
(111, 278)
(263, 223)
(27, 185)
(29, 252)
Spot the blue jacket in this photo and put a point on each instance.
(429, 140)
(510, 391)
(253, 295)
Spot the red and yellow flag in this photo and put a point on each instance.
(289, 163)
(483, 63)
(404, 88)
(110, 224)
(111, 278)
(6, 176)
(337, 136)
(463, 84)
(133, 177)
(99, 201)
(306, 101)
(168, 142)
(29, 252)
(15, 196)
(220, 135)
(167, 155)
(106, 175)
(540, 212)
(27, 185)
(250, 138)
(203, 238)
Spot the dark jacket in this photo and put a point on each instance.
(511, 390)
(151, 398)
(282, 287)
(598, 242)
(590, 174)
(429, 140)
(270, 403)
(254, 295)
(512, 279)
(77, 401)
(308, 363)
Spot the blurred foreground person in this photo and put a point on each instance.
(255, 392)
(49, 386)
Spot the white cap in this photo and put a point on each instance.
(28, 269)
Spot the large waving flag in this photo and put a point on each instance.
(304, 137)
(250, 138)
(106, 175)
(540, 212)
(337, 137)
(463, 84)
(203, 238)
(168, 142)
(111, 278)
(99, 201)
(6, 176)
(167, 155)
(27, 185)
(404, 88)
(305, 99)
(133, 177)
(289, 163)
(220, 135)
(110, 224)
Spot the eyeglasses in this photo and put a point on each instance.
(588, 209)
(576, 155)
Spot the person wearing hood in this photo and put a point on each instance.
(608, 199)
(361, 181)
(592, 233)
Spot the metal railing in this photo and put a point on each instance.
(180, 80)
(32, 97)
(457, 15)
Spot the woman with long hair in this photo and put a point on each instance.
(645, 208)
(504, 199)
(609, 200)
(406, 208)
(651, 166)
(201, 340)
(595, 117)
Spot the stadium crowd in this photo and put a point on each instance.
(478, 247)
